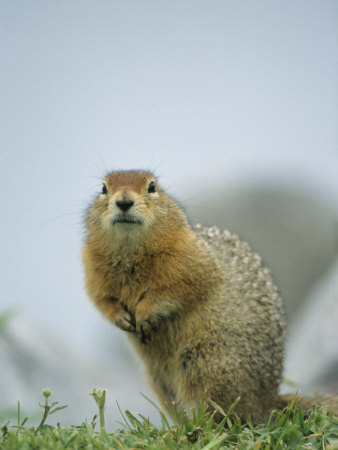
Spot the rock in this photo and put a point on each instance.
(312, 352)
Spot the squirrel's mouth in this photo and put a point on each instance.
(126, 218)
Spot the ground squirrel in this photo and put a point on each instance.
(201, 310)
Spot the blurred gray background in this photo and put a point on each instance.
(232, 104)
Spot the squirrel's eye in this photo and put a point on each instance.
(104, 188)
(151, 187)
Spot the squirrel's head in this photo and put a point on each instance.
(129, 204)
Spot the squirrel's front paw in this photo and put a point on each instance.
(126, 321)
(144, 328)
(147, 321)
(149, 314)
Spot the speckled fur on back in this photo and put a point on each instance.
(251, 323)
(201, 310)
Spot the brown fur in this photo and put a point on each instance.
(330, 401)
(201, 311)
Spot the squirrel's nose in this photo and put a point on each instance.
(124, 205)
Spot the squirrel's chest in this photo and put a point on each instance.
(125, 278)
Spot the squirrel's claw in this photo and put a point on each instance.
(126, 322)
(144, 334)
(145, 329)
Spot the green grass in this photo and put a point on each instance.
(291, 428)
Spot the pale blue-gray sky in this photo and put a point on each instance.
(235, 90)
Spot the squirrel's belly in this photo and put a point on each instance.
(178, 358)
(202, 354)
(161, 357)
